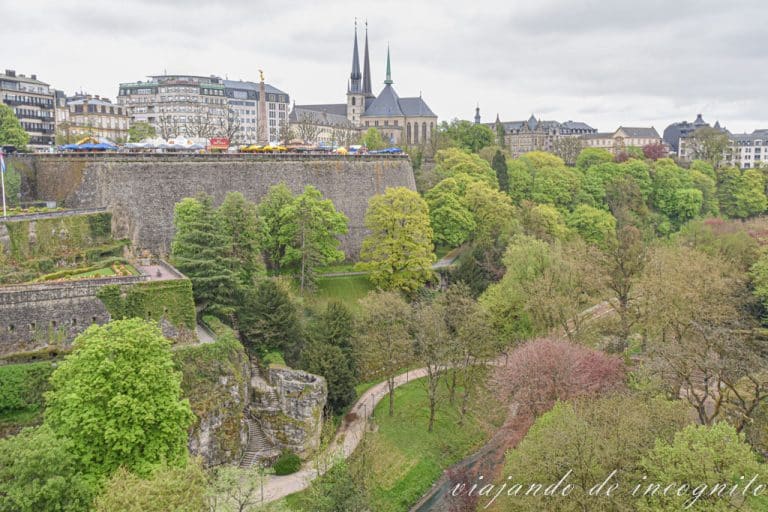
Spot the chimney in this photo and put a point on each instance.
(10, 72)
(33, 77)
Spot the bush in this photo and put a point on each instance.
(22, 386)
(287, 463)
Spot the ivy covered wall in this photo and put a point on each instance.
(152, 300)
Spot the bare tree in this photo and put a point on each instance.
(568, 148)
(168, 125)
(307, 127)
(229, 125)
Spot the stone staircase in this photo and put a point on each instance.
(258, 447)
(267, 397)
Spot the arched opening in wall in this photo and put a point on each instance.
(74, 321)
(93, 319)
(353, 100)
(424, 132)
(408, 132)
(415, 133)
(32, 326)
(53, 323)
(11, 328)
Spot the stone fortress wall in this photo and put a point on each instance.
(141, 190)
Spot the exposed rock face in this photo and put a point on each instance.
(288, 405)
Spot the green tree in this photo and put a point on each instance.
(236, 490)
(467, 135)
(338, 490)
(40, 472)
(451, 220)
(543, 221)
(595, 226)
(140, 131)
(335, 366)
(742, 194)
(272, 209)
(706, 459)
(269, 320)
(432, 350)
(594, 437)
(117, 396)
(240, 225)
(710, 145)
(452, 161)
(373, 140)
(309, 234)
(592, 156)
(167, 489)
(495, 217)
(398, 251)
(11, 131)
(201, 250)
(383, 344)
(12, 185)
(499, 164)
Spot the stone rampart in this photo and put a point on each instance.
(141, 190)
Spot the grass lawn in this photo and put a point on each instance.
(348, 289)
(403, 459)
(339, 267)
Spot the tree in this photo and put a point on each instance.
(373, 140)
(595, 438)
(595, 226)
(655, 151)
(592, 156)
(699, 337)
(499, 164)
(466, 135)
(710, 460)
(451, 220)
(236, 490)
(309, 233)
(432, 350)
(11, 131)
(335, 365)
(117, 396)
(544, 371)
(338, 490)
(269, 320)
(141, 130)
(240, 225)
(742, 194)
(178, 489)
(271, 210)
(200, 250)
(229, 124)
(568, 148)
(398, 251)
(710, 145)
(494, 215)
(307, 128)
(452, 161)
(383, 342)
(40, 471)
(543, 221)
(12, 185)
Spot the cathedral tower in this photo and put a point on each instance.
(355, 95)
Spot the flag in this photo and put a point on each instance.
(2, 163)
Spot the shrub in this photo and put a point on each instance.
(22, 386)
(287, 463)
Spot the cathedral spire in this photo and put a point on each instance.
(366, 66)
(388, 81)
(355, 76)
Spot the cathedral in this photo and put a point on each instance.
(401, 121)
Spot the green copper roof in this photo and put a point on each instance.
(388, 81)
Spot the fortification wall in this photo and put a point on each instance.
(141, 190)
(39, 316)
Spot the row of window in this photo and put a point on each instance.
(412, 135)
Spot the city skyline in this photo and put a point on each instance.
(604, 66)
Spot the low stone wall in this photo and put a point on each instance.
(37, 316)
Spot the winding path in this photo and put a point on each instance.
(343, 444)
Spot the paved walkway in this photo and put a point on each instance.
(343, 444)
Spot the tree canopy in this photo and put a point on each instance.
(11, 131)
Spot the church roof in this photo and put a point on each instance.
(415, 107)
(321, 114)
(339, 109)
(386, 104)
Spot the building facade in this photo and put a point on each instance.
(624, 137)
(401, 121)
(535, 134)
(744, 150)
(86, 115)
(674, 132)
(243, 101)
(204, 107)
(33, 102)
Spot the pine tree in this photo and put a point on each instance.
(499, 164)
(199, 250)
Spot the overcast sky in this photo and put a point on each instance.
(606, 62)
